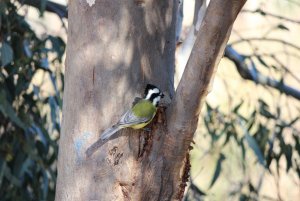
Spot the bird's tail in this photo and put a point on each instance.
(110, 131)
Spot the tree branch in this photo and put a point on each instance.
(266, 40)
(250, 72)
(53, 7)
(264, 13)
(182, 115)
(206, 54)
(184, 49)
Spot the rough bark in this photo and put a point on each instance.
(114, 48)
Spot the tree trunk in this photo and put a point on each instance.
(114, 49)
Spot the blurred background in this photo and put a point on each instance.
(247, 145)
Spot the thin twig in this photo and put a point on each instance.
(264, 13)
(266, 40)
(285, 68)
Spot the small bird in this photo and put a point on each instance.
(139, 115)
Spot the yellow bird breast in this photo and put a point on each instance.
(143, 108)
(142, 125)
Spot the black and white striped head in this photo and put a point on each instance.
(153, 94)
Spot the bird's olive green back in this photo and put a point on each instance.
(144, 108)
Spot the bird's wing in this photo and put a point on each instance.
(129, 119)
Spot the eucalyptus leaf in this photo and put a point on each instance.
(282, 27)
(44, 63)
(26, 48)
(288, 153)
(217, 170)
(8, 111)
(43, 6)
(264, 110)
(7, 54)
(2, 169)
(254, 146)
(25, 168)
(293, 121)
(45, 185)
(262, 61)
(40, 134)
(236, 108)
(28, 154)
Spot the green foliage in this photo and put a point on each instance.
(29, 119)
(252, 136)
(217, 170)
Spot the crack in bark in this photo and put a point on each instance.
(93, 75)
(185, 175)
(126, 190)
(115, 156)
(146, 144)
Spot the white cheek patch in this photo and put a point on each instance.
(156, 100)
(152, 91)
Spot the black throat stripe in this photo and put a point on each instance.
(153, 96)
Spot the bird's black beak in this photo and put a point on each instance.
(162, 95)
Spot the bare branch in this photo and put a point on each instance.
(179, 19)
(264, 13)
(206, 54)
(250, 72)
(184, 49)
(285, 68)
(266, 40)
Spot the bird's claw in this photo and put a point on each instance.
(147, 129)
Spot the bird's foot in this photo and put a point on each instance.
(147, 130)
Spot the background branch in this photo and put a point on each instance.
(264, 13)
(184, 49)
(206, 54)
(266, 40)
(250, 72)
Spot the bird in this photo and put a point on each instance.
(140, 115)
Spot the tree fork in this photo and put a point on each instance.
(113, 50)
(194, 85)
